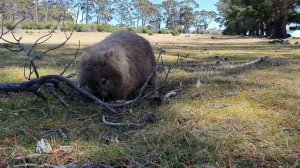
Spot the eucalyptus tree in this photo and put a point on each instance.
(203, 18)
(171, 13)
(187, 16)
(144, 11)
(104, 11)
(123, 13)
(156, 19)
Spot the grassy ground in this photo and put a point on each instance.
(238, 118)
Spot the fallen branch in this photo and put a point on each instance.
(34, 86)
(126, 125)
(227, 68)
(251, 63)
(147, 118)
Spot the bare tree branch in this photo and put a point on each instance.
(70, 63)
(169, 69)
(34, 86)
(30, 53)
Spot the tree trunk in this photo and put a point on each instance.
(36, 11)
(279, 28)
(87, 14)
(261, 28)
(269, 29)
(47, 12)
(251, 32)
(77, 14)
(257, 33)
(82, 14)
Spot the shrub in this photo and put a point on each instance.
(49, 26)
(76, 27)
(103, 28)
(68, 27)
(32, 25)
(9, 25)
(162, 31)
(79, 28)
(144, 30)
(175, 32)
(130, 29)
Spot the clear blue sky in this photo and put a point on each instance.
(208, 5)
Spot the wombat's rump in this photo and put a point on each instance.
(118, 66)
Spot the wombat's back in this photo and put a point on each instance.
(124, 58)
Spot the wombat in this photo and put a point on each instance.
(116, 68)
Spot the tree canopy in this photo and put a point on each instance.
(171, 14)
(258, 17)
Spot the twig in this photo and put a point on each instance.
(30, 52)
(169, 69)
(27, 165)
(34, 86)
(70, 63)
(127, 125)
(55, 94)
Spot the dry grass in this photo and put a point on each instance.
(242, 118)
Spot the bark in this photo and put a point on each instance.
(257, 33)
(262, 29)
(82, 15)
(269, 29)
(47, 12)
(77, 14)
(86, 14)
(36, 11)
(251, 32)
(279, 28)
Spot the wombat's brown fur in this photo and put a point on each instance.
(118, 66)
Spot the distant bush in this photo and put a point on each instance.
(163, 31)
(69, 26)
(104, 28)
(49, 26)
(9, 24)
(32, 25)
(81, 28)
(175, 32)
(78, 27)
(143, 30)
(130, 29)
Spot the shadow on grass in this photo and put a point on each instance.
(56, 59)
